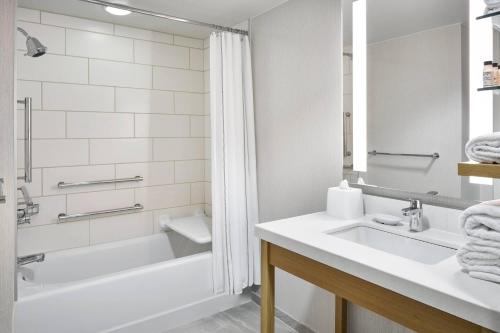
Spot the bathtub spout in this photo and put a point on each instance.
(39, 257)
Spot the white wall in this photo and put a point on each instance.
(297, 60)
(111, 101)
(297, 82)
(415, 106)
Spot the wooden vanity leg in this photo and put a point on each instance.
(340, 315)
(267, 291)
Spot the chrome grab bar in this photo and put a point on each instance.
(97, 182)
(61, 218)
(433, 156)
(39, 257)
(28, 167)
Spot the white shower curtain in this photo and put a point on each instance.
(234, 180)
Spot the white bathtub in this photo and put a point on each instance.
(147, 284)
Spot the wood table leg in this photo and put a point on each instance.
(267, 291)
(340, 315)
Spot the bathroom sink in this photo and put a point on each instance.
(417, 250)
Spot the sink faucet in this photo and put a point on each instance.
(39, 257)
(24, 214)
(415, 212)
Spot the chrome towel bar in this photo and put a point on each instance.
(61, 218)
(433, 156)
(97, 182)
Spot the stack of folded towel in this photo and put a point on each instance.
(484, 149)
(480, 257)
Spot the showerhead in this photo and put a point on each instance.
(33, 46)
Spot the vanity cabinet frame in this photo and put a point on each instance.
(408, 312)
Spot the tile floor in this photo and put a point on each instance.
(242, 319)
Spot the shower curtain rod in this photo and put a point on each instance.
(164, 16)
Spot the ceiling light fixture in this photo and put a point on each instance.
(117, 11)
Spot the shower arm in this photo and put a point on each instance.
(21, 30)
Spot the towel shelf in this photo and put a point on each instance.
(489, 88)
(61, 218)
(473, 169)
(491, 14)
(433, 156)
(98, 182)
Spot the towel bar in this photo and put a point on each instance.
(433, 156)
(61, 218)
(104, 181)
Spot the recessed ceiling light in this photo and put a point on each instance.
(117, 11)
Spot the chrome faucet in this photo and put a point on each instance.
(415, 212)
(39, 257)
(24, 214)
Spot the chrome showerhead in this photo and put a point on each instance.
(33, 46)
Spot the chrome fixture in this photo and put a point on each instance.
(415, 212)
(98, 182)
(33, 46)
(24, 214)
(28, 167)
(165, 16)
(347, 54)
(61, 218)
(433, 156)
(39, 257)
(2, 195)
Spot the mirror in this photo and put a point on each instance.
(414, 65)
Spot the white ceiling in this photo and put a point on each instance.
(392, 18)
(221, 12)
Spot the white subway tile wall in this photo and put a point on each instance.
(111, 101)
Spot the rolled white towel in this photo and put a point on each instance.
(484, 148)
(481, 264)
(473, 255)
(492, 5)
(486, 273)
(492, 2)
(480, 257)
(482, 222)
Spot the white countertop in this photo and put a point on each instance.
(442, 285)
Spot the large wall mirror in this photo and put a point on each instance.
(408, 86)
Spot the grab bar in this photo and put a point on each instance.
(28, 167)
(61, 218)
(97, 182)
(433, 156)
(346, 116)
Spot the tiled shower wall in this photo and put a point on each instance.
(112, 101)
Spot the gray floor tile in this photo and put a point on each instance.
(242, 319)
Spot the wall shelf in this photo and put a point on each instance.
(489, 88)
(488, 15)
(474, 169)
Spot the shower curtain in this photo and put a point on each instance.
(234, 179)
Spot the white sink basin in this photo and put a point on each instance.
(417, 250)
